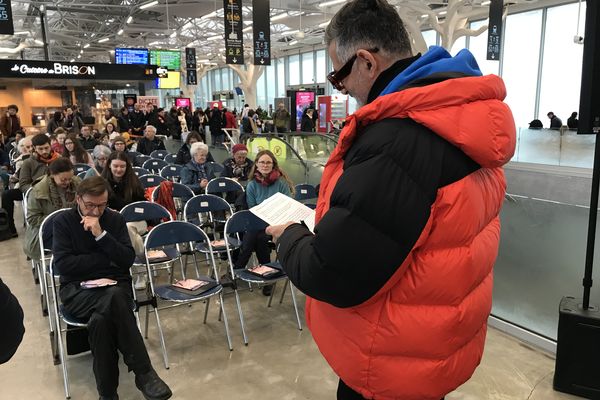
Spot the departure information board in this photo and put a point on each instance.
(170, 59)
(131, 56)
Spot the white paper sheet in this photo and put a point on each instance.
(279, 209)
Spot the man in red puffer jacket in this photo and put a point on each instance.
(398, 273)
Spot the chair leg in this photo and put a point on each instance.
(296, 307)
(222, 311)
(206, 309)
(162, 339)
(147, 318)
(61, 346)
(285, 285)
(239, 307)
(272, 293)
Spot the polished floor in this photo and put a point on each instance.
(280, 362)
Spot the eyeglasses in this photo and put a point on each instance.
(90, 206)
(336, 77)
(265, 162)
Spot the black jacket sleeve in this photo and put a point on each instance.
(12, 330)
(378, 209)
(117, 247)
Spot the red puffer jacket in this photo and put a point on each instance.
(422, 334)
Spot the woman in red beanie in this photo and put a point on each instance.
(238, 167)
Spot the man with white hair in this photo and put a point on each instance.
(198, 172)
(150, 142)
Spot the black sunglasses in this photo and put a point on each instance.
(336, 77)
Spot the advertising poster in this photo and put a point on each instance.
(234, 37)
(303, 100)
(147, 103)
(129, 100)
(183, 102)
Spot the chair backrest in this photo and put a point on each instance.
(216, 167)
(154, 165)
(144, 211)
(78, 168)
(170, 158)
(179, 191)
(151, 180)
(160, 154)
(243, 221)
(25, 199)
(139, 171)
(223, 185)
(46, 231)
(171, 171)
(174, 232)
(133, 155)
(204, 203)
(141, 159)
(305, 192)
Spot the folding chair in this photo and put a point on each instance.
(139, 171)
(132, 155)
(243, 221)
(217, 168)
(224, 187)
(140, 159)
(34, 267)
(154, 165)
(170, 158)
(171, 172)
(82, 175)
(174, 233)
(306, 192)
(151, 180)
(78, 168)
(181, 194)
(160, 154)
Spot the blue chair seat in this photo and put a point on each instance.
(233, 244)
(246, 276)
(171, 253)
(69, 319)
(166, 292)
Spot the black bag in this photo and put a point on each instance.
(5, 232)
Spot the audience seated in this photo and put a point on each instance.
(120, 144)
(101, 154)
(31, 169)
(75, 152)
(51, 192)
(238, 167)
(198, 171)
(150, 142)
(88, 142)
(125, 187)
(59, 145)
(90, 242)
(184, 156)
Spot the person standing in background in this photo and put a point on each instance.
(10, 123)
(281, 118)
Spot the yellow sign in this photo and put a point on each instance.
(276, 146)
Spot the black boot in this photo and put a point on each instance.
(152, 387)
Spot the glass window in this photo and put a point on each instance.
(478, 46)
(225, 79)
(460, 44)
(430, 37)
(261, 94)
(520, 64)
(561, 68)
(281, 77)
(217, 79)
(294, 69)
(321, 72)
(271, 83)
(308, 68)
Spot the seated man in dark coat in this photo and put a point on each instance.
(150, 142)
(91, 242)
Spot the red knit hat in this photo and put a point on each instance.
(238, 147)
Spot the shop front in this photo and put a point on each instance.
(39, 88)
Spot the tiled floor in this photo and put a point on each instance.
(280, 362)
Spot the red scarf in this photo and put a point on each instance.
(267, 180)
(53, 156)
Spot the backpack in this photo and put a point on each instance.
(4, 227)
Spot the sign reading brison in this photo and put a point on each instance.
(65, 70)
(58, 69)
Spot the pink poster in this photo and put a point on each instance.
(303, 100)
(147, 102)
(183, 102)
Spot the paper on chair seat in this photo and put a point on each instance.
(279, 209)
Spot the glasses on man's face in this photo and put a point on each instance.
(336, 77)
(89, 206)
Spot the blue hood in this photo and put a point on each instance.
(436, 60)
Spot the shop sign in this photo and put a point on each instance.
(64, 70)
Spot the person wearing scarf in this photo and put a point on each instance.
(238, 167)
(53, 191)
(31, 169)
(266, 179)
(198, 172)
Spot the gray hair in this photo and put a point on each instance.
(151, 127)
(368, 24)
(101, 150)
(21, 144)
(198, 146)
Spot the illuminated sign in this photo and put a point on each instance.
(64, 70)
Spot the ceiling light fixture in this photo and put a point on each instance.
(324, 24)
(129, 19)
(210, 15)
(37, 41)
(173, 35)
(80, 51)
(217, 37)
(331, 3)
(120, 32)
(22, 33)
(293, 42)
(72, 60)
(148, 5)
(85, 46)
(79, 56)
(103, 40)
(247, 29)
(485, 3)
(443, 12)
(280, 16)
